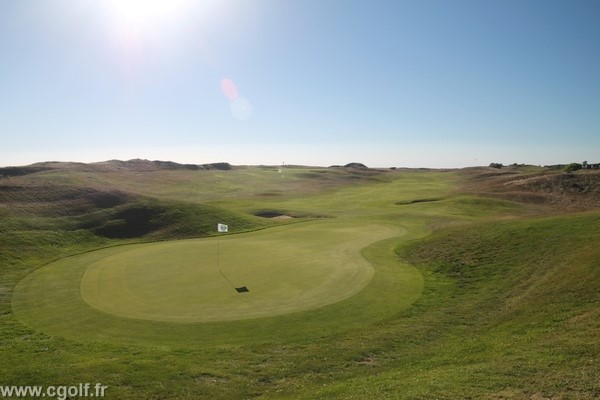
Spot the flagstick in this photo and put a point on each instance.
(219, 262)
(227, 279)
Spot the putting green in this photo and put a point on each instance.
(305, 280)
(286, 270)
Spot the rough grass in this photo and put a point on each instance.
(156, 219)
(565, 191)
(510, 310)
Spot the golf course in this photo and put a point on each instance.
(341, 282)
(300, 200)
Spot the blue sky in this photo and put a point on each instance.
(388, 83)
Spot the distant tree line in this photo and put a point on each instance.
(572, 167)
(586, 165)
(576, 166)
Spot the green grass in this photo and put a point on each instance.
(387, 293)
(470, 297)
(520, 320)
(306, 266)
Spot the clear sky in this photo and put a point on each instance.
(420, 83)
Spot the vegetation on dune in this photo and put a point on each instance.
(510, 310)
(573, 167)
(506, 261)
(161, 219)
(538, 186)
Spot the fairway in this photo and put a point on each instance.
(289, 269)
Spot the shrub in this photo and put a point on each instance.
(572, 167)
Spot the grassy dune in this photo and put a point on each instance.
(510, 310)
(474, 293)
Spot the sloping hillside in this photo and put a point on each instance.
(511, 310)
(567, 191)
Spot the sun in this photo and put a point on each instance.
(138, 14)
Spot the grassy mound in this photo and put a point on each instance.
(160, 219)
(510, 310)
(562, 191)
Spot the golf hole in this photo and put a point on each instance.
(289, 269)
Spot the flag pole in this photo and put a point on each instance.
(222, 228)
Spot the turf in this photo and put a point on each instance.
(289, 269)
(349, 307)
(469, 297)
(520, 320)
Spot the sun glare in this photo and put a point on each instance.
(139, 13)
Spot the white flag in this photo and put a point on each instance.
(222, 228)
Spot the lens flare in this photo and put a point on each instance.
(241, 109)
(229, 89)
